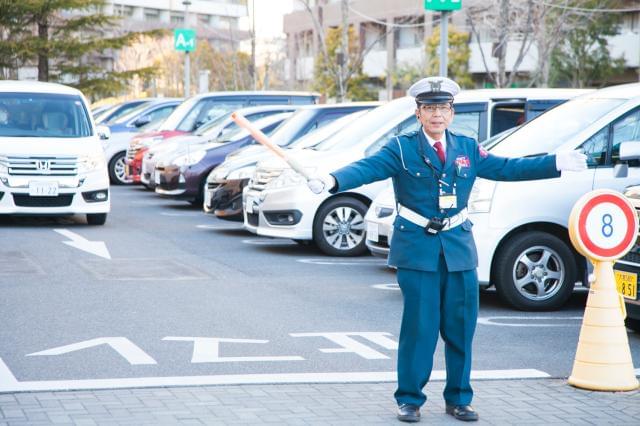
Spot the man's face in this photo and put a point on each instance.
(435, 118)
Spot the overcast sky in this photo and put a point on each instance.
(269, 16)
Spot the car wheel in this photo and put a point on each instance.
(117, 169)
(96, 218)
(339, 228)
(535, 271)
(633, 324)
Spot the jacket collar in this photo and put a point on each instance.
(452, 150)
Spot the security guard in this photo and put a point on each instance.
(433, 171)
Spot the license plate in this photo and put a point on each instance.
(43, 189)
(156, 177)
(627, 284)
(372, 232)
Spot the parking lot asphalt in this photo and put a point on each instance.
(116, 325)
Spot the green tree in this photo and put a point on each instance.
(584, 58)
(458, 59)
(327, 68)
(64, 38)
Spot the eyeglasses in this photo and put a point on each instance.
(443, 108)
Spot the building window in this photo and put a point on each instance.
(122, 10)
(410, 36)
(374, 36)
(177, 18)
(204, 19)
(151, 15)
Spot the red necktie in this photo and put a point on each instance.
(439, 150)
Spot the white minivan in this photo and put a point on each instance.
(51, 157)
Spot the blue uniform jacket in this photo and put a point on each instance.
(416, 187)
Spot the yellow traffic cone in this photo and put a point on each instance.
(603, 359)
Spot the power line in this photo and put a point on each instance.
(386, 24)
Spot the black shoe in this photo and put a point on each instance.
(408, 413)
(462, 412)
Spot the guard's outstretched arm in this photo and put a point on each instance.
(493, 167)
(385, 163)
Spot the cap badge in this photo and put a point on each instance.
(436, 86)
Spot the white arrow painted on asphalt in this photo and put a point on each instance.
(125, 347)
(99, 248)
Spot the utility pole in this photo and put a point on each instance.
(444, 42)
(187, 59)
(253, 45)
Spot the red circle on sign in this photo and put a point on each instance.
(629, 216)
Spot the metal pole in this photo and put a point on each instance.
(187, 58)
(444, 42)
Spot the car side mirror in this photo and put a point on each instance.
(630, 150)
(142, 121)
(103, 132)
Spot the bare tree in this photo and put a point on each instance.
(512, 19)
(349, 63)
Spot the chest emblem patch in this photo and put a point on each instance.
(462, 161)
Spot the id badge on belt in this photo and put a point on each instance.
(448, 201)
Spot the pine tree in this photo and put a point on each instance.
(65, 38)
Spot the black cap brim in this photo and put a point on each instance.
(434, 98)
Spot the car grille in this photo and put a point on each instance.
(252, 219)
(262, 177)
(633, 255)
(42, 166)
(25, 200)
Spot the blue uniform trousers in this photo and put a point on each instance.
(444, 302)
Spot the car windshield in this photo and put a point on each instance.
(313, 138)
(129, 115)
(495, 139)
(287, 129)
(546, 133)
(43, 115)
(363, 127)
(211, 126)
(240, 132)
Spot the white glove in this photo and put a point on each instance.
(573, 161)
(319, 183)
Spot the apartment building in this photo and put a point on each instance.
(394, 34)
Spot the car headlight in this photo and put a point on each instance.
(218, 174)
(481, 196)
(150, 141)
(90, 163)
(290, 177)
(189, 159)
(383, 211)
(242, 173)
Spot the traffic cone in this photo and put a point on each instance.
(603, 358)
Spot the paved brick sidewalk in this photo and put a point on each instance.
(499, 402)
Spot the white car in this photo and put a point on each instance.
(279, 204)
(521, 227)
(51, 158)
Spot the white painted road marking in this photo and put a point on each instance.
(207, 349)
(393, 286)
(347, 344)
(330, 261)
(125, 347)
(8, 383)
(529, 321)
(220, 227)
(269, 242)
(99, 248)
